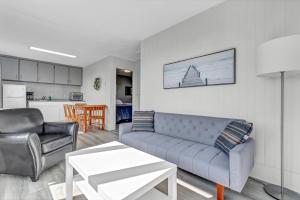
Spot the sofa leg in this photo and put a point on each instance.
(34, 179)
(220, 192)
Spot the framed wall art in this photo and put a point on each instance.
(212, 69)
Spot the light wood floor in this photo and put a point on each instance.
(19, 188)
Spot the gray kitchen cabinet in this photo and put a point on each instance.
(45, 73)
(75, 76)
(61, 74)
(28, 71)
(10, 68)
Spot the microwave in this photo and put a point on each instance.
(76, 96)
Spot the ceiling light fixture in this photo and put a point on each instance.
(52, 52)
(127, 71)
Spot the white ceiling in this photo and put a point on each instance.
(89, 29)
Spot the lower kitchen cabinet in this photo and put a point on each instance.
(53, 111)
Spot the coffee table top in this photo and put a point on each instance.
(117, 171)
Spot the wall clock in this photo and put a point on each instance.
(97, 84)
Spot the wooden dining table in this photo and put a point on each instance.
(87, 111)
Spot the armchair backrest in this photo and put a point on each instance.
(21, 120)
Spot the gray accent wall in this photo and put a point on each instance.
(122, 83)
(243, 24)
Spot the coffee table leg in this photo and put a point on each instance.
(69, 180)
(172, 187)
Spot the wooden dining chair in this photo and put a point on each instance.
(97, 117)
(67, 113)
(71, 113)
(78, 115)
(77, 108)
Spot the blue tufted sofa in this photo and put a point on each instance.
(188, 141)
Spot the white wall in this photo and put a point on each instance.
(136, 79)
(243, 24)
(106, 70)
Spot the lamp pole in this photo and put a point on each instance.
(281, 133)
(272, 61)
(279, 192)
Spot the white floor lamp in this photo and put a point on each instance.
(277, 57)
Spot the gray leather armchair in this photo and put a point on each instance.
(28, 145)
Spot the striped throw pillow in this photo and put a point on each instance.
(143, 121)
(236, 132)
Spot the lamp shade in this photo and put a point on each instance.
(279, 55)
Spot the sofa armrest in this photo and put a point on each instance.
(20, 154)
(124, 128)
(241, 162)
(68, 128)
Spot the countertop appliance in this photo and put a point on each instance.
(14, 96)
(76, 96)
(30, 96)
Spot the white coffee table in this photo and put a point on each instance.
(114, 171)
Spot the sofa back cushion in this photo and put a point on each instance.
(200, 129)
(21, 120)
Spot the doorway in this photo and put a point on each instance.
(124, 96)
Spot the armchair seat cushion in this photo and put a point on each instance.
(53, 141)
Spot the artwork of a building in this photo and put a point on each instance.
(192, 78)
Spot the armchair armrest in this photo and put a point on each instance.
(123, 129)
(241, 162)
(20, 153)
(68, 128)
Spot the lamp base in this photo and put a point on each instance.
(275, 192)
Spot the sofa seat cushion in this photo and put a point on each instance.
(219, 169)
(51, 142)
(200, 159)
(135, 139)
(153, 143)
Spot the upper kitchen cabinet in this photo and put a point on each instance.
(19, 69)
(75, 76)
(45, 73)
(28, 71)
(61, 74)
(10, 68)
